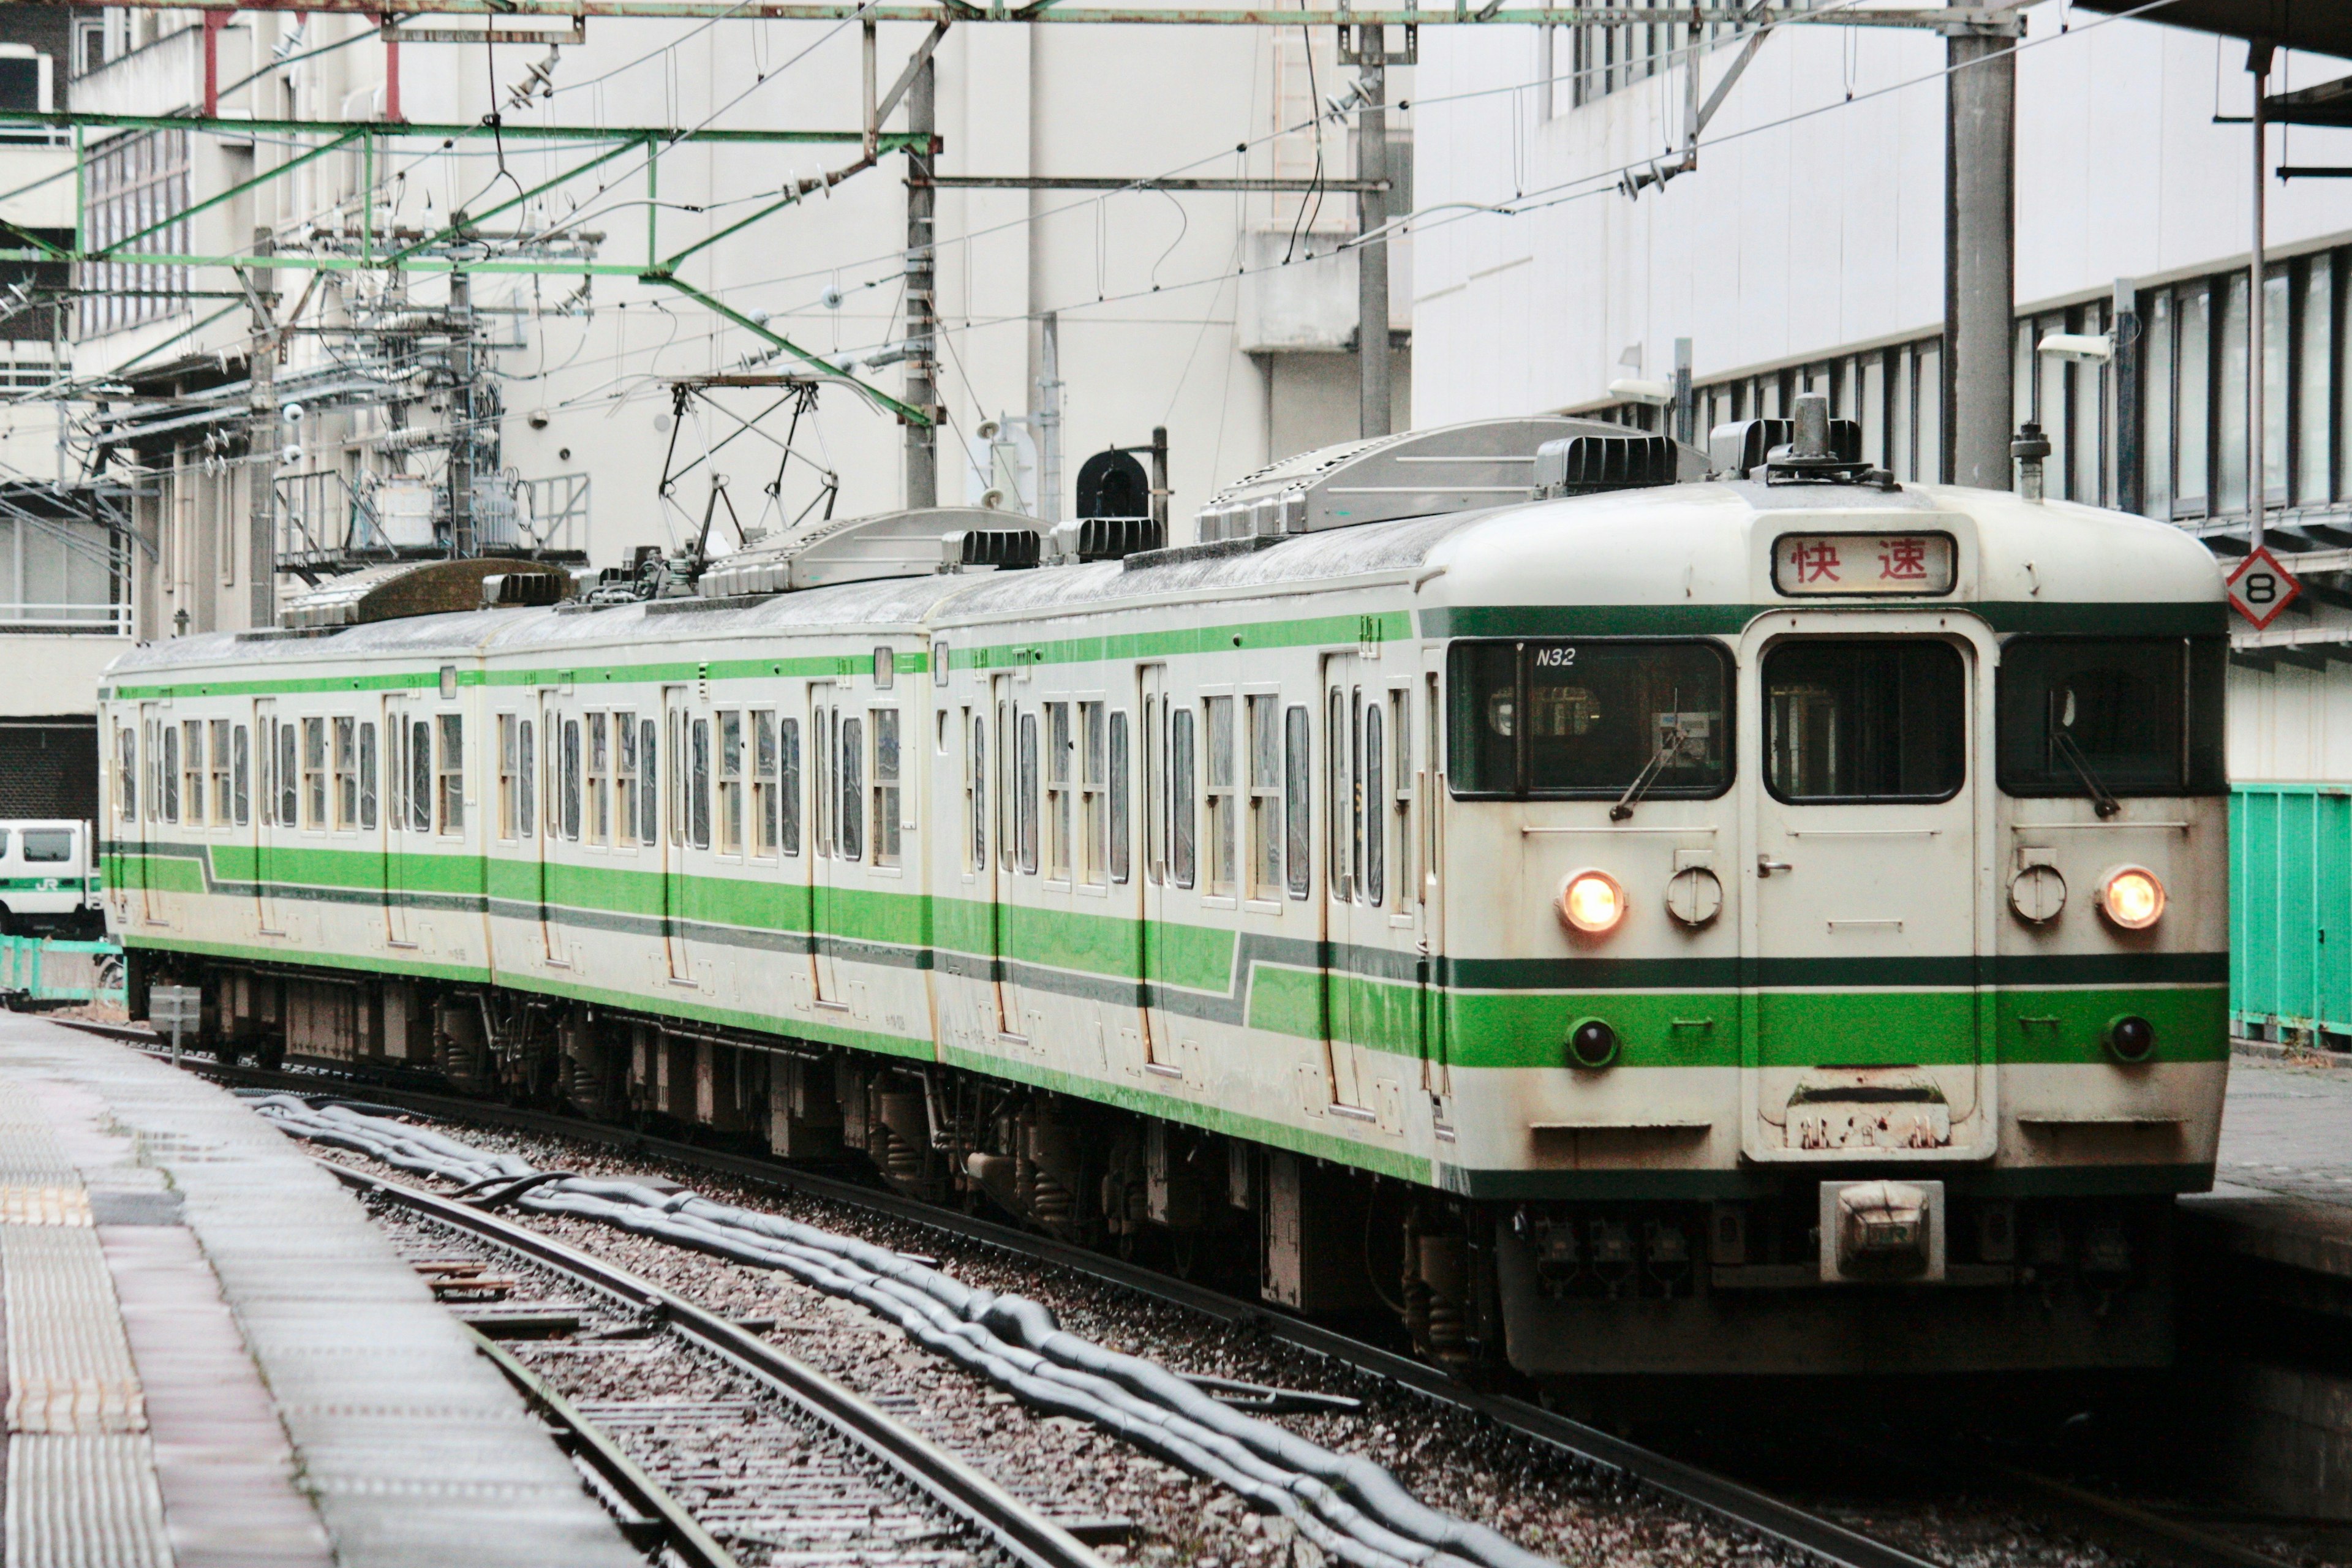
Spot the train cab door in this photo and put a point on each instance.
(1355, 874)
(825, 838)
(686, 736)
(1868, 908)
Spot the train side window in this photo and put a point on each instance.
(241, 774)
(526, 778)
(1057, 791)
(126, 772)
(697, 785)
(1180, 861)
(219, 755)
(1220, 796)
(1117, 782)
(1155, 792)
(571, 775)
(367, 772)
(1432, 726)
(314, 773)
(1336, 751)
(788, 784)
(1297, 810)
(420, 774)
(975, 791)
(850, 806)
(1090, 853)
(1025, 795)
(453, 773)
(625, 779)
(1265, 820)
(290, 774)
(824, 784)
(1005, 746)
(677, 777)
(167, 773)
(346, 771)
(598, 810)
(192, 763)
(1373, 825)
(886, 798)
(764, 814)
(730, 782)
(1401, 790)
(509, 784)
(648, 786)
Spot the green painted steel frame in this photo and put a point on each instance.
(2290, 886)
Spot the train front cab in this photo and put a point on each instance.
(1891, 938)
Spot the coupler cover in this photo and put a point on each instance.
(1882, 1231)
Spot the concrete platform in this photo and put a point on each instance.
(2266, 1262)
(212, 1360)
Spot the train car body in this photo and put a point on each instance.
(1727, 926)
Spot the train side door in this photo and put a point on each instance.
(1868, 916)
(688, 778)
(394, 831)
(824, 836)
(273, 813)
(1351, 926)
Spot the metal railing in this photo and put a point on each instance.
(104, 620)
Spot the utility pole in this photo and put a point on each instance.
(261, 442)
(2258, 62)
(1049, 418)
(1979, 251)
(1685, 400)
(922, 281)
(1373, 246)
(461, 418)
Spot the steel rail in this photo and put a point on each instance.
(1725, 1499)
(662, 1519)
(1028, 1535)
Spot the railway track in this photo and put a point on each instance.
(873, 1513)
(1713, 1494)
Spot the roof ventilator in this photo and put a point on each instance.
(1587, 465)
(1005, 549)
(507, 589)
(1812, 449)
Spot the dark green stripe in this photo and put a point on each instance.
(2168, 619)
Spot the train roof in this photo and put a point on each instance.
(1687, 544)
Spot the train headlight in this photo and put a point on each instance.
(2131, 897)
(1592, 902)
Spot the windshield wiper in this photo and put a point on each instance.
(2103, 803)
(1673, 745)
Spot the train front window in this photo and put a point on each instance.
(1597, 715)
(2087, 716)
(1882, 719)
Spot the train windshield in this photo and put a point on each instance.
(2087, 716)
(1596, 715)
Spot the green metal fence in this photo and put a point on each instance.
(48, 969)
(2289, 908)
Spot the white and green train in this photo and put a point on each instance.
(1622, 920)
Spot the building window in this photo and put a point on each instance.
(133, 185)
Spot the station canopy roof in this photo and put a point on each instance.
(2317, 26)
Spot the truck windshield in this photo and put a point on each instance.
(2139, 715)
(1596, 714)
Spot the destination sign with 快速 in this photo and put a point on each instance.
(1874, 563)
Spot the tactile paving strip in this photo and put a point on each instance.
(69, 1370)
(84, 1502)
(54, 1205)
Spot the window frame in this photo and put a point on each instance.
(1729, 745)
(2219, 787)
(1965, 707)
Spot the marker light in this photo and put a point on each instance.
(1592, 902)
(1593, 1044)
(2131, 897)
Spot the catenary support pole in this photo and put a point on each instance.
(2124, 362)
(2258, 62)
(462, 541)
(1979, 255)
(1686, 401)
(922, 319)
(1372, 255)
(261, 445)
(1049, 417)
